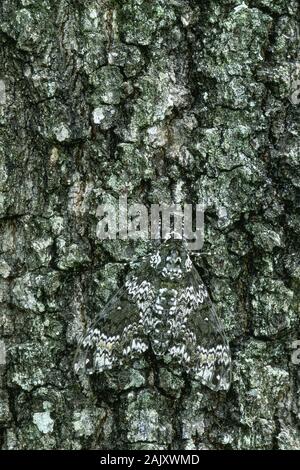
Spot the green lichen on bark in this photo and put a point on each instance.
(155, 100)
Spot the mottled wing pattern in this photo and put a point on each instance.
(195, 335)
(117, 333)
(211, 359)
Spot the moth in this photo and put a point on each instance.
(163, 306)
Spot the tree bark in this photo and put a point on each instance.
(151, 99)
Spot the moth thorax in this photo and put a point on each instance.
(176, 264)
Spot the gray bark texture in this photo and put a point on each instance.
(152, 99)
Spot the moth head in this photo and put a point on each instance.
(171, 260)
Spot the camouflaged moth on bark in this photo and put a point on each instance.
(163, 305)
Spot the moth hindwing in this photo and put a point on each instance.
(163, 305)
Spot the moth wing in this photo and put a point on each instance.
(115, 335)
(212, 360)
(201, 345)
